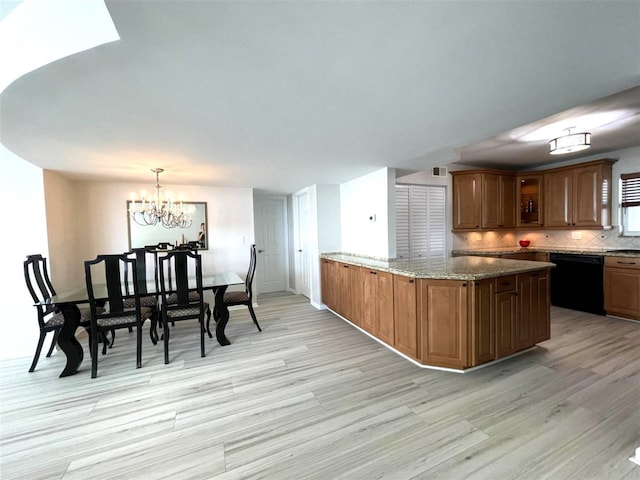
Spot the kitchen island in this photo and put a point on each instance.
(453, 313)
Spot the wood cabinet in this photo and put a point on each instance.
(506, 315)
(578, 196)
(329, 283)
(342, 289)
(483, 322)
(351, 295)
(484, 200)
(506, 311)
(405, 333)
(540, 305)
(498, 201)
(445, 323)
(443, 313)
(622, 287)
(532, 323)
(467, 197)
(529, 196)
(377, 304)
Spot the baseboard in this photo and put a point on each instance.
(422, 365)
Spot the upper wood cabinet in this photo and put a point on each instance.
(467, 195)
(566, 197)
(578, 196)
(529, 195)
(484, 199)
(498, 201)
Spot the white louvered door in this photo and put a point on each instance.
(420, 221)
(403, 249)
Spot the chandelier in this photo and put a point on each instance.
(569, 143)
(160, 209)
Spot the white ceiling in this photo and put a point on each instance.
(281, 95)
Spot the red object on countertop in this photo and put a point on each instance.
(524, 243)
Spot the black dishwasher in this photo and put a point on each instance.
(577, 282)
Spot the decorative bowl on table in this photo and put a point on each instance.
(524, 243)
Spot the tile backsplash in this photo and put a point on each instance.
(545, 238)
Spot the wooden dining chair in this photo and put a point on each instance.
(50, 319)
(245, 297)
(181, 293)
(108, 272)
(147, 273)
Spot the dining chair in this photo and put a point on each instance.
(105, 278)
(36, 276)
(180, 278)
(146, 262)
(232, 299)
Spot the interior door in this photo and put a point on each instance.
(271, 244)
(301, 243)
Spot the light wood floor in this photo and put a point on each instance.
(312, 398)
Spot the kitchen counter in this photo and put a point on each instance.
(453, 268)
(455, 313)
(575, 250)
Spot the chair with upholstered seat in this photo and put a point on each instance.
(147, 273)
(49, 318)
(181, 293)
(232, 299)
(105, 279)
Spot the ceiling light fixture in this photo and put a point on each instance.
(569, 143)
(160, 209)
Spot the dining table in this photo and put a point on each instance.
(67, 302)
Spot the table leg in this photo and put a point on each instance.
(222, 315)
(67, 340)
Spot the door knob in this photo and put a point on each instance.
(260, 251)
(300, 250)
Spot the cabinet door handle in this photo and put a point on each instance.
(626, 263)
(345, 266)
(464, 284)
(505, 283)
(411, 281)
(373, 273)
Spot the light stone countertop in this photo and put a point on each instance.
(451, 268)
(574, 250)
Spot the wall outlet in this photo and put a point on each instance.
(576, 235)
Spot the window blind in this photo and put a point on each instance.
(630, 191)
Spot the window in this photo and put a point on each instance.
(420, 222)
(630, 203)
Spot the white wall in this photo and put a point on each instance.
(325, 227)
(360, 199)
(22, 190)
(65, 228)
(99, 223)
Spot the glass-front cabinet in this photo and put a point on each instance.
(530, 198)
